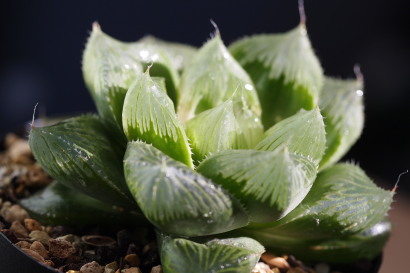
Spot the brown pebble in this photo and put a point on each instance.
(132, 260)
(41, 236)
(40, 249)
(20, 153)
(18, 230)
(131, 270)
(14, 213)
(60, 249)
(73, 271)
(23, 244)
(275, 270)
(156, 269)
(111, 267)
(32, 224)
(296, 270)
(92, 267)
(36, 177)
(260, 268)
(278, 262)
(10, 139)
(49, 263)
(98, 240)
(33, 254)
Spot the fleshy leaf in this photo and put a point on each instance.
(342, 201)
(59, 205)
(111, 66)
(149, 115)
(78, 153)
(175, 198)
(211, 78)
(269, 183)
(303, 134)
(285, 70)
(180, 54)
(230, 125)
(341, 103)
(238, 255)
(339, 249)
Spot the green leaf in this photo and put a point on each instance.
(303, 134)
(180, 54)
(269, 184)
(234, 255)
(341, 103)
(211, 78)
(59, 205)
(149, 115)
(285, 70)
(111, 66)
(230, 125)
(339, 249)
(78, 153)
(175, 198)
(342, 201)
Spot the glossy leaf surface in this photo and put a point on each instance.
(342, 201)
(149, 115)
(111, 66)
(211, 78)
(78, 153)
(367, 244)
(303, 133)
(59, 205)
(230, 125)
(234, 255)
(175, 198)
(341, 103)
(285, 70)
(269, 183)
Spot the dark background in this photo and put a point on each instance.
(41, 44)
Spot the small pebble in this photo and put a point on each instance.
(23, 244)
(132, 260)
(60, 249)
(157, 269)
(261, 268)
(18, 230)
(36, 177)
(32, 224)
(49, 263)
(274, 261)
(131, 270)
(41, 236)
(69, 238)
(92, 267)
(322, 268)
(98, 240)
(33, 254)
(20, 153)
(40, 249)
(73, 271)
(14, 213)
(111, 267)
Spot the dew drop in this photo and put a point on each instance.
(359, 93)
(248, 87)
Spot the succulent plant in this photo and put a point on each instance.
(223, 151)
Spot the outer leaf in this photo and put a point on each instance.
(78, 153)
(303, 133)
(149, 115)
(175, 198)
(270, 184)
(342, 201)
(211, 79)
(235, 255)
(285, 70)
(231, 125)
(346, 249)
(59, 205)
(111, 66)
(341, 102)
(180, 54)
